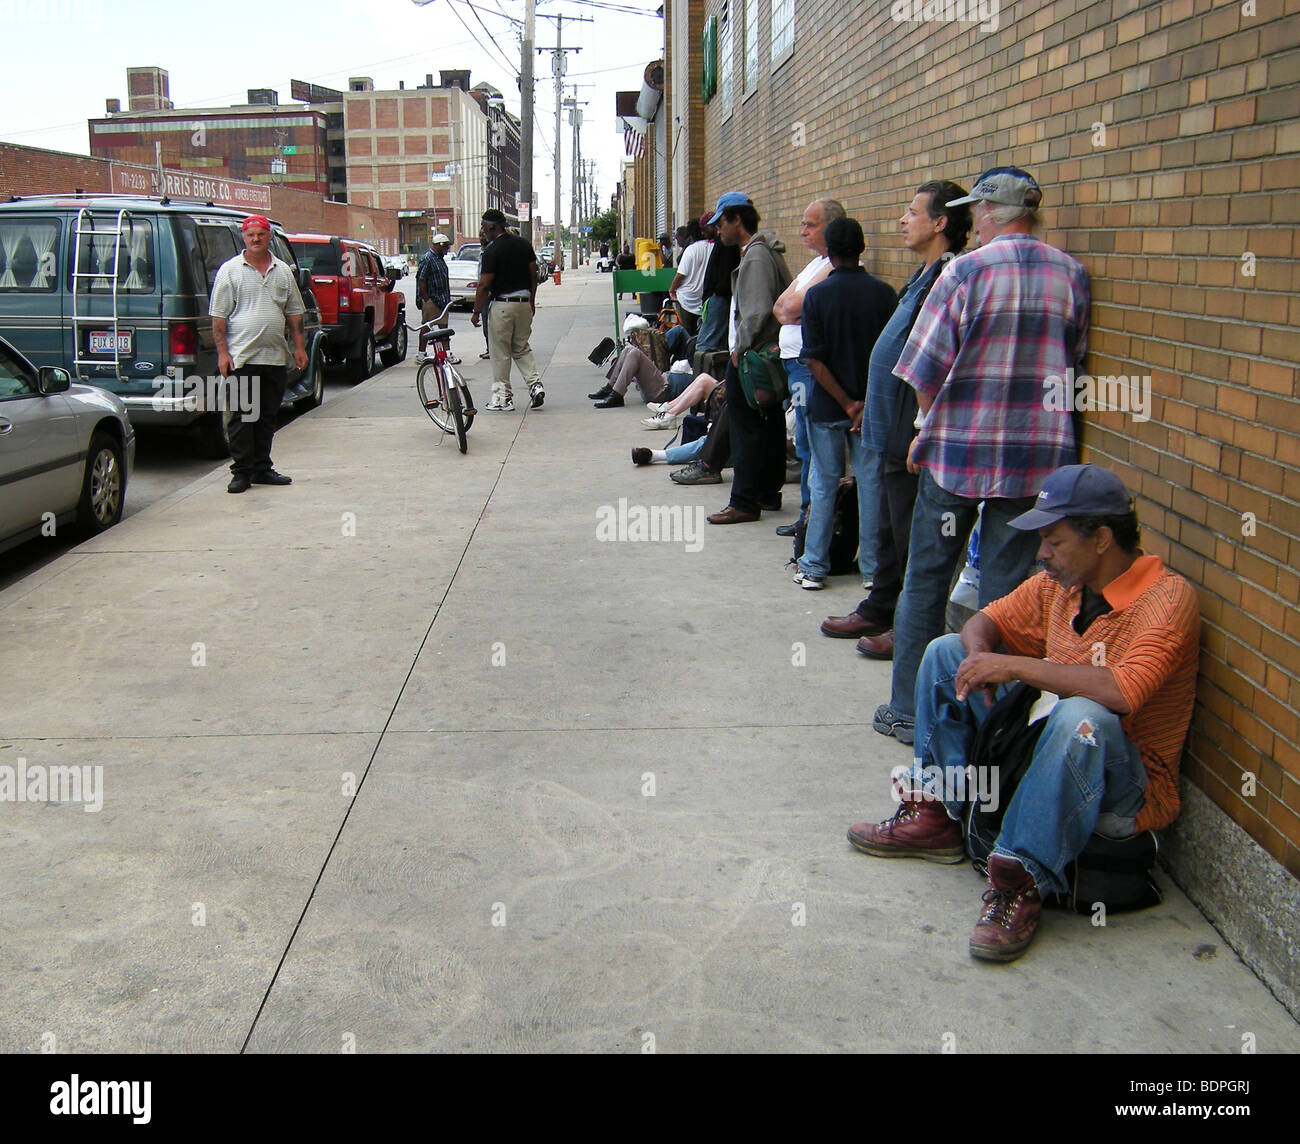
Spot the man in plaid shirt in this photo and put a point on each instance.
(1001, 324)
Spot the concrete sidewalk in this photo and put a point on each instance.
(406, 758)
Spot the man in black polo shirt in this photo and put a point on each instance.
(842, 317)
(507, 290)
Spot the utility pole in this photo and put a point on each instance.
(559, 66)
(577, 201)
(526, 95)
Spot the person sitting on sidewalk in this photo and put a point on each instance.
(634, 365)
(668, 414)
(842, 317)
(1112, 633)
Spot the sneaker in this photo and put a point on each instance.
(536, 395)
(809, 580)
(661, 421)
(657, 407)
(420, 357)
(496, 406)
(453, 359)
(1012, 911)
(868, 583)
(696, 474)
(918, 829)
(887, 723)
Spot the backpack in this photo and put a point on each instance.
(1112, 872)
(843, 553)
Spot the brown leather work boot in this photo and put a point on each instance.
(1012, 911)
(919, 829)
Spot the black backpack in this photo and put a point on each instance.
(1111, 872)
(843, 554)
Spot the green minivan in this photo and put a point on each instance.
(114, 289)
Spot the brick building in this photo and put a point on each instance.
(421, 152)
(1167, 141)
(259, 142)
(34, 171)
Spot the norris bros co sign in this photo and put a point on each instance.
(129, 179)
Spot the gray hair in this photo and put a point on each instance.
(831, 209)
(1003, 215)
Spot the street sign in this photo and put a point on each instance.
(290, 150)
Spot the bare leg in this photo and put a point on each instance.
(693, 394)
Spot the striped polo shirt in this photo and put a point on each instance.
(1150, 640)
(255, 306)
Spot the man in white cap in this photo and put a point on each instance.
(1109, 634)
(433, 287)
(999, 323)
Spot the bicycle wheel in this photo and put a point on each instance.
(458, 415)
(430, 385)
(455, 381)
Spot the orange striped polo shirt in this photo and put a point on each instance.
(1150, 641)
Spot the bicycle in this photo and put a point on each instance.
(443, 392)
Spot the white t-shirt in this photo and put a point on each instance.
(791, 337)
(691, 266)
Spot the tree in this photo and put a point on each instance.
(604, 227)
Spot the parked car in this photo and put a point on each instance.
(114, 289)
(462, 273)
(66, 451)
(360, 311)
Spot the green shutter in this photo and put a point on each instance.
(709, 80)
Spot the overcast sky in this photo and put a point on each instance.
(65, 57)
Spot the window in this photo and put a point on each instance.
(27, 255)
(135, 273)
(15, 381)
(782, 30)
(751, 47)
(709, 71)
(726, 55)
(216, 245)
(317, 257)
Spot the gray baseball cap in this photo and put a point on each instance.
(1006, 186)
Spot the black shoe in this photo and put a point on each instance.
(770, 504)
(271, 477)
(787, 529)
(613, 401)
(603, 392)
(239, 483)
(641, 456)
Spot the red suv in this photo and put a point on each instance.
(360, 312)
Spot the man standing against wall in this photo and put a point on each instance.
(253, 295)
(998, 323)
(507, 284)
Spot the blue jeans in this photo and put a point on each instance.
(826, 440)
(684, 454)
(941, 524)
(1086, 774)
(677, 339)
(713, 324)
(801, 382)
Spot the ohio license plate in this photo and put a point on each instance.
(101, 342)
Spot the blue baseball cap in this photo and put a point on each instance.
(1076, 490)
(730, 199)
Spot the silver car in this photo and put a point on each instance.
(66, 452)
(462, 274)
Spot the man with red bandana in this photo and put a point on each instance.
(254, 294)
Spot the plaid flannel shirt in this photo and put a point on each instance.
(998, 323)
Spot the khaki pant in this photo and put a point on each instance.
(510, 324)
(428, 312)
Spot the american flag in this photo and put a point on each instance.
(633, 142)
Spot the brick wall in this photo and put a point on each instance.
(1165, 136)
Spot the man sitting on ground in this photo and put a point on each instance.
(1115, 635)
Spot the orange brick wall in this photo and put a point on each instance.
(1166, 137)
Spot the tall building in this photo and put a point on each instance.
(503, 152)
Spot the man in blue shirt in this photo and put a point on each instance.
(937, 232)
(842, 317)
(433, 287)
